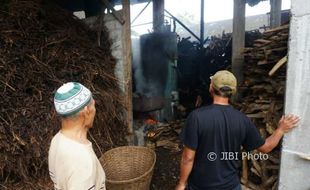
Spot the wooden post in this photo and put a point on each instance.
(158, 15)
(127, 63)
(275, 13)
(238, 39)
(202, 22)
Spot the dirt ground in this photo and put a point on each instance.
(166, 171)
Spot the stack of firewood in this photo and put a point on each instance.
(165, 135)
(270, 49)
(262, 101)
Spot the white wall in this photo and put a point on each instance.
(295, 170)
(115, 30)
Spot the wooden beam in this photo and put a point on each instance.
(202, 22)
(114, 12)
(127, 64)
(275, 13)
(238, 38)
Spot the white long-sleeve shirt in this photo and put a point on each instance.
(74, 166)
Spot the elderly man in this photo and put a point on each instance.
(72, 162)
(213, 137)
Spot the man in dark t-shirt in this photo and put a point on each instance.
(213, 137)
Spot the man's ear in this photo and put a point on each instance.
(84, 111)
(210, 88)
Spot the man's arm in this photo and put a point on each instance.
(187, 161)
(271, 142)
(286, 124)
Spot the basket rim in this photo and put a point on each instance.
(136, 178)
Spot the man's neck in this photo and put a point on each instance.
(74, 131)
(220, 100)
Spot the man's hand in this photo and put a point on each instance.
(180, 186)
(287, 123)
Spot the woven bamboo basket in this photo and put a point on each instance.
(128, 167)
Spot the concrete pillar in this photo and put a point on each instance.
(238, 39)
(275, 13)
(295, 168)
(158, 15)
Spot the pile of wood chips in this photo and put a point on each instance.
(263, 98)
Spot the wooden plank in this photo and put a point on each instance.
(278, 65)
(277, 29)
(262, 62)
(262, 41)
(275, 13)
(245, 173)
(256, 115)
(270, 181)
(238, 40)
(250, 185)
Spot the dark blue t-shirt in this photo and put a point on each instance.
(215, 132)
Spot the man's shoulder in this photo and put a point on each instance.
(208, 108)
(203, 109)
(66, 149)
(211, 109)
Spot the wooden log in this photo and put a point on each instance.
(262, 41)
(245, 169)
(254, 107)
(275, 185)
(251, 185)
(278, 65)
(280, 49)
(264, 172)
(270, 181)
(256, 115)
(273, 167)
(253, 170)
(270, 128)
(262, 62)
(273, 159)
(257, 166)
(284, 27)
